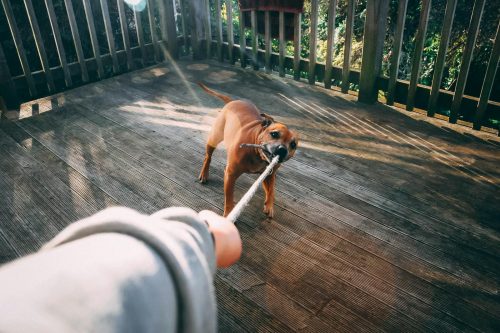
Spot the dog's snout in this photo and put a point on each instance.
(281, 151)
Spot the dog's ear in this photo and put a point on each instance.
(267, 120)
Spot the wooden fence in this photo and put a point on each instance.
(200, 27)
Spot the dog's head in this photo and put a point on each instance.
(277, 139)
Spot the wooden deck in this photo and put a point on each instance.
(384, 221)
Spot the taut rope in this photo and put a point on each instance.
(235, 213)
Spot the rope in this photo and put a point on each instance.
(235, 213)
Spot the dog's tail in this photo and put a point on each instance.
(225, 98)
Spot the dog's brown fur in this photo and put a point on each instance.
(241, 122)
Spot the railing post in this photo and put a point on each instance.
(198, 17)
(171, 29)
(7, 88)
(373, 42)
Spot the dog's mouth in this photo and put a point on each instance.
(270, 151)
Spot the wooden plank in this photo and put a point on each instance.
(396, 52)
(267, 41)
(35, 29)
(125, 37)
(243, 42)
(93, 37)
(417, 54)
(313, 42)
(76, 39)
(373, 44)
(140, 34)
(475, 22)
(230, 33)
(10, 92)
(329, 43)
(489, 80)
(255, 39)
(152, 28)
(14, 30)
(346, 68)
(171, 29)
(297, 22)
(282, 44)
(441, 56)
(59, 44)
(218, 22)
(109, 35)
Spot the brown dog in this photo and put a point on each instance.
(240, 122)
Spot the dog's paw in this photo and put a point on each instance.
(203, 179)
(269, 211)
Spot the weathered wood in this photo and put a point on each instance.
(475, 21)
(218, 22)
(267, 41)
(93, 37)
(373, 43)
(243, 42)
(14, 30)
(313, 42)
(349, 23)
(208, 27)
(297, 33)
(196, 28)
(230, 33)
(58, 41)
(184, 25)
(441, 56)
(140, 35)
(125, 36)
(329, 43)
(9, 91)
(152, 28)
(35, 29)
(109, 35)
(255, 39)
(396, 51)
(76, 39)
(417, 54)
(282, 43)
(489, 80)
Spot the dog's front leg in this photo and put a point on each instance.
(230, 177)
(268, 185)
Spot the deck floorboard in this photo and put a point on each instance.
(384, 220)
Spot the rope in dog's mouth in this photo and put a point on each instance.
(235, 213)
(261, 146)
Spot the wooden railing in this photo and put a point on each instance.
(198, 26)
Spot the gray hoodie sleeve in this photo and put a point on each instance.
(116, 271)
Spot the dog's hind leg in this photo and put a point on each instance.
(215, 137)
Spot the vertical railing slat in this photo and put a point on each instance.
(417, 56)
(441, 56)
(109, 35)
(346, 68)
(152, 27)
(208, 28)
(297, 20)
(140, 34)
(489, 80)
(281, 43)
(243, 43)
(182, 6)
(125, 36)
(255, 38)
(313, 42)
(329, 43)
(475, 21)
(14, 30)
(40, 46)
(93, 37)
(218, 10)
(76, 39)
(6, 79)
(230, 34)
(267, 40)
(396, 51)
(59, 44)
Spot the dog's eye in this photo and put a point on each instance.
(275, 135)
(293, 144)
